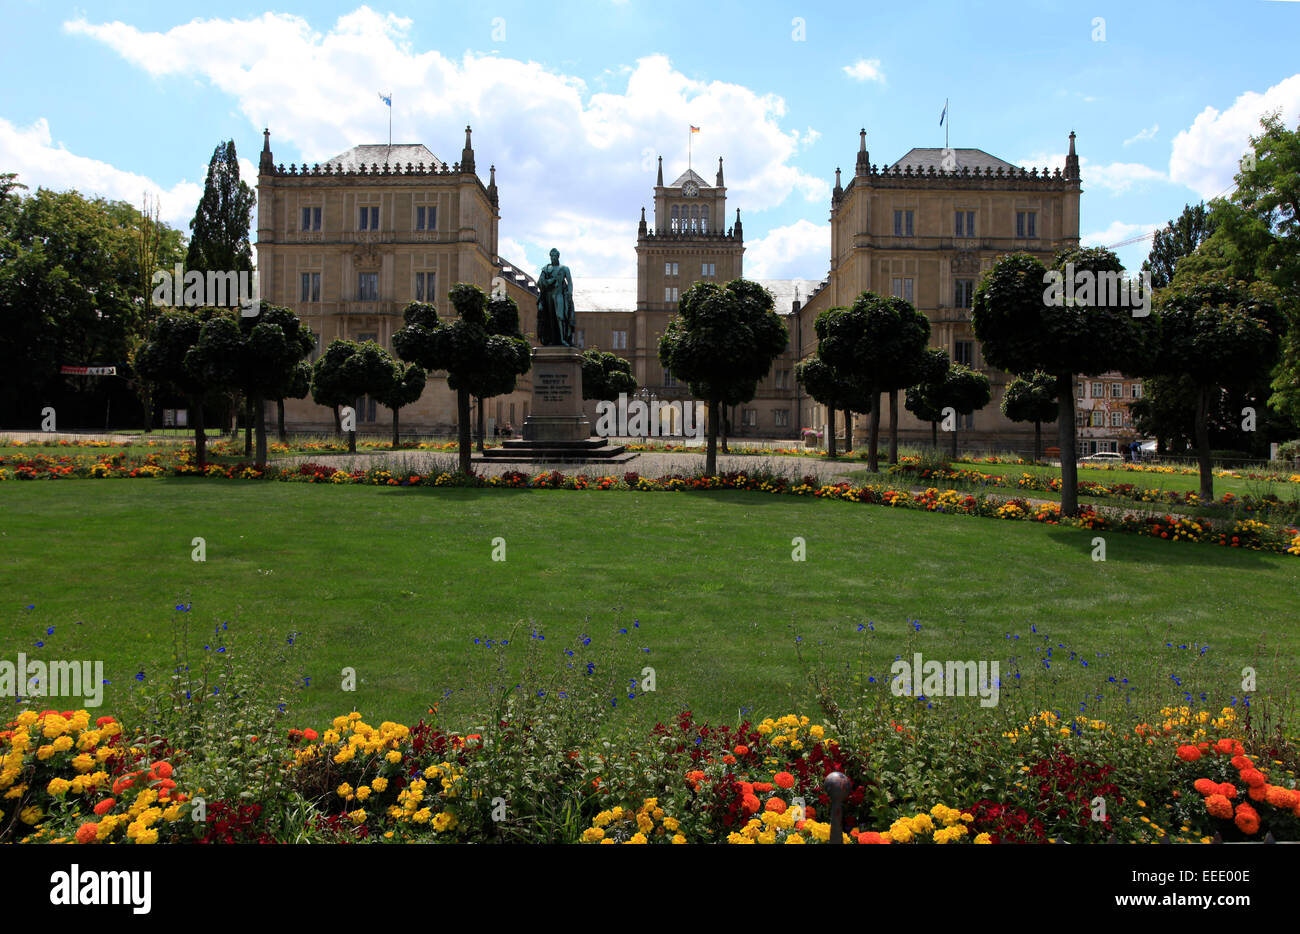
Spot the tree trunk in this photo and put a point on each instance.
(1065, 441)
(723, 409)
(1038, 441)
(248, 426)
(848, 432)
(934, 435)
(956, 427)
(462, 430)
(711, 449)
(279, 418)
(395, 431)
(259, 414)
(830, 431)
(481, 423)
(200, 438)
(873, 445)
(338, 423)
(352, 435)
(146, 399)
(893, 426)
(1203, 460)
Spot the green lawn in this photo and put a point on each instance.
(397, 583)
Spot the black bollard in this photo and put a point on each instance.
(837, 787)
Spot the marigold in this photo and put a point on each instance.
(783, 780)
(1247, 819)
(105, 806)
(1219, 806)
(1189, 753)
(775, 805)
(86, 833)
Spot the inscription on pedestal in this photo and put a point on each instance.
(552, 387)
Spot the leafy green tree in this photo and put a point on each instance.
(219, 238)
(721, 343)
(296, 385)
(405, 387)
(1178, 239)
(605, 375)
(1167, 412)
(1220, 333)
(913, 364)
(873, 344)
(328, 388)
(1032, 398)
(820, 380)
(924, 399)
(163, 360)
(1022, 331)
(370, 371)
(479, 360)
(964, 391)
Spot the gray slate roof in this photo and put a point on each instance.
(690, 175)
(919, 158)
(379, 153)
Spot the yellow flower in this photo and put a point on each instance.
(394, 757)
(58, 786)
(380, 785)
(358, 816)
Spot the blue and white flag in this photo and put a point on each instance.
(387, 99)
(944, 114)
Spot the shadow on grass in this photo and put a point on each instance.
(1202, 554)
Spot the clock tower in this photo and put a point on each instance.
(688, 242)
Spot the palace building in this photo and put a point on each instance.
(348, 243)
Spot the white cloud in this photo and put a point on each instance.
(789, 252)
(39, 161)
(569, 160)
(865, 69)
(1205, 155)
(1145, 134)
(1117, 232)
(1115, 177)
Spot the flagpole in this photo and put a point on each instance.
(947, 124)
(689, 140)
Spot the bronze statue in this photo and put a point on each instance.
(555, 304)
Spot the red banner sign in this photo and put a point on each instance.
(89, 370)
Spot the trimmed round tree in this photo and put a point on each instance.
(721, 343)
(913, 364)
(275, 344)
(478, 362)
(161, 361)
(922, 399)
(605, 375)
(405, 387)
(370, 371)
(1222, 334)
(964, 391)
(819, 380)
(1031, 398)
(297, 386)
(1023, 326)
(327, 386)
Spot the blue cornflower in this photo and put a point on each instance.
(50, 631)
(139, 676)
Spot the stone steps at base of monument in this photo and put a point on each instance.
(588, 449)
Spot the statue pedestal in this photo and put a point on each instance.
(556, 413)
(557, 428)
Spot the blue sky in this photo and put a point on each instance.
(572, 101)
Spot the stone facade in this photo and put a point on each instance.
(927, 228)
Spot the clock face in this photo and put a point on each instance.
(690, 189)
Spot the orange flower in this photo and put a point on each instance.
(1189, 753)
(1281, 797)
(1253, 777)
(750, 804)
(1247, 819)
(1225, 746)
(1219, 806)
(742, 750)
(86, 833)
(871, 837)
(783, 780)
(728, 760)
(1241, 762)
(1228, 790)
(161, 769)
(1257, 792)
(763, 787)
(775, 805)
(105, 806)
(1205, 786)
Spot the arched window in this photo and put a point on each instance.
(674, 218)
(704, 218)
(695, 217)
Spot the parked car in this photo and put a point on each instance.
(1103, 457)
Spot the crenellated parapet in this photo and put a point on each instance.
(374, 169)
(964, 177)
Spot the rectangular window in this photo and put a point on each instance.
(968, 420)
(368, 287)
(1137, 390)
(670, 294)
(1098, 418)
(369, 219)
(963, 352)
(964, 223)
(1078, 390)
(311, 287)
(709, 269)
(426, 218)
(1116, 419)
(1080, 419)
(579, 338)
(425, 289)
(902, 288)
(964, 293)
(1098, 390)
(619, 339)
(670, 381)
(1117, 390)
(902, 223)
(749, 418)
(781, 418)
(670, 269)
(311, 218)
(1026, 225)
